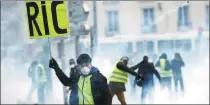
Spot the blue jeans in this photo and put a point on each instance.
(178, 79)
(147, 91)
(73, 98)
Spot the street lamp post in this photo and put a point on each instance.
(94, 34)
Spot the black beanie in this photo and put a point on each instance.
(145, 58)
(83, 58)
(71, 61)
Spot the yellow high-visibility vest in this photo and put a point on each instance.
(43, 77)
(119, 75)
(163, 72)
(84, 91)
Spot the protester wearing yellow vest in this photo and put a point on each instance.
(39, 79)
(119, 78)
(90, 89)
(165, 71)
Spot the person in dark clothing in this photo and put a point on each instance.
(176, 65)
(74, 71)
(74, 74)
(119, 78)
(146, 70)
(91, 88)
(165, 71)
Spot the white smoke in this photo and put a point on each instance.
(15, 82)
(195, 76)
(196, 82)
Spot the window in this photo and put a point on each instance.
(183, 19)
(111, 49)
(113, 24)
(207, 17)
(183, 45)
(148, 25)
(150, 47)
(139, 47)
(108, 49)
(129, 47)
(165, 46)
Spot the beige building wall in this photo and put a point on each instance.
(130, 15)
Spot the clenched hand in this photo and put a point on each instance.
(53, 64)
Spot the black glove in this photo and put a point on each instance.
(139, 77)
(53, 64)
(139, 80)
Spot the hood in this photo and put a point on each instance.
(94, 70)
(144, 62)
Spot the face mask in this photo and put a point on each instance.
(85, 70)
(72, 65)
(125, 62)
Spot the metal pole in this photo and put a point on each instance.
(45, 61)
(77, 47)
(61, 56)
(91, 42)
(94, 34)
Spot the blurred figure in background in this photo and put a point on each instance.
(119, 78)
(146, 69)
(38, 77)
(74, 74)
(176, 65)
(165, 71)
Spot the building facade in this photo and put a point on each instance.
(141, 18)
(149, 17)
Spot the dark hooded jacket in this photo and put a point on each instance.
(99, 87)
(147, 70)
(176, 67)
(74, 73)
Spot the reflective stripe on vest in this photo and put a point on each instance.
(163, 72)
(84, 91)
(43, 78)
(119, 75)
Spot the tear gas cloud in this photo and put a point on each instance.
(15, 83)
(195, 75)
